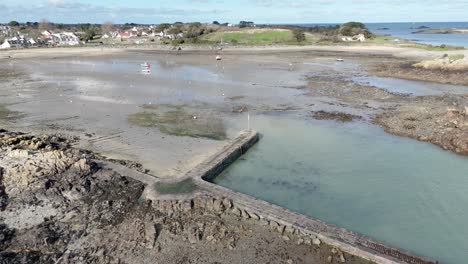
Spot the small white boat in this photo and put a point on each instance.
(340, 60)
(218, 57)
(145, 67)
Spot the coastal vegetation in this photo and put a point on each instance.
(455, 57)
(176, 120)
(184, 186)
(245, 33)
(355, 28)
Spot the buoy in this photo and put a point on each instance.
(218, 57)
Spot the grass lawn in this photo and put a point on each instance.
(184, 186)
(252, 37)
(456, 57)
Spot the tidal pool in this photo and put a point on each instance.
(407, 193)
(417, 88)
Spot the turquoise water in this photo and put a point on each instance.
(406, 29)
(404, 192)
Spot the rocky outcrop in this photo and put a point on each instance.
(337, 116)
(442, 121)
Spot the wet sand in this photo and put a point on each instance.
(80, 93)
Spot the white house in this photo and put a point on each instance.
(5, 45)
(66, 39)
(360, 38)
(14, 43)
(345, 38)
(32, 42)
(46, 33)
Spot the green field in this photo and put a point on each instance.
(184, 186)
(252, 37)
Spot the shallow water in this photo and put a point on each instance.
(405, 30)
(95, 95)
(404, 192)
(418, 88)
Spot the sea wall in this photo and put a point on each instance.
(216, 198)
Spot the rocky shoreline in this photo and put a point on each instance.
(422, 71)
(441, 120)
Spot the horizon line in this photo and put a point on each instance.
(258, 23)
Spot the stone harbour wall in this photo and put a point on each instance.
(222, 200)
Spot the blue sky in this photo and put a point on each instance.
(260, 11)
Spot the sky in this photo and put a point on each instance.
(259, 11)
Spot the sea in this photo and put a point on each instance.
(405, 30)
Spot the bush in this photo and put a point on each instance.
(299, 35)
(13, 24)
(184, 186)
(178, 41)
(354, 28)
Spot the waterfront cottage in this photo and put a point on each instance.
(15, 42)
(5, 45)
(65, 39)
(360, 38)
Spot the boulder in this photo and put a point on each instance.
(237, 211)
(316, 241)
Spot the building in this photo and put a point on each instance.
(246, 24)
(65, 39)
(360, 38)
(6, 45)
(5, 30)
(122, 36)
(16, 42)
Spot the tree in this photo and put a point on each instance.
(90, 33)
(13, 23)
(162, 27)
(44, 25)
(299, 35)
(355, 28)
(107, 27)
(84, 27)
(215, 22)
(176, 29)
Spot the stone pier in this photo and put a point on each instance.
(284, 219)
(222, 200)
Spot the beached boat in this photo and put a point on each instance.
(218, 57)
(145, 67)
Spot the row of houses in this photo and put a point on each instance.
(17, 42)
(60, 39)
(136, 34)
(45, 39)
